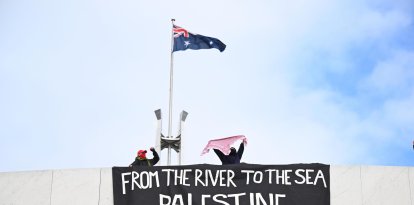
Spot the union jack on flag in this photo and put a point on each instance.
(184, 40)
(178, 31)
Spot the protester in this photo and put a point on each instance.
(233, 158)
(226, 153)
(141, 159)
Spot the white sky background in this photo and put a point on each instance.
(305, 81)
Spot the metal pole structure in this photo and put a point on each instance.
(183, 116)
(158, 134)
(171, 93)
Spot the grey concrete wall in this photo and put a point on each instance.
(372, 185)
(58, 187)
(350, 185)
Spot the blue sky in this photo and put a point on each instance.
(304, 81)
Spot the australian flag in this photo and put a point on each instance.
(184, 40)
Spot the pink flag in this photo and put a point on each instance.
(223, 144)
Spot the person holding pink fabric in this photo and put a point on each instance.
(226, 153)
(233, 158)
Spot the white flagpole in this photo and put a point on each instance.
(171, 93)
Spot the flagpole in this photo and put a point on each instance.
(171, 93)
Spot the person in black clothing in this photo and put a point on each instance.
(141, 159)
(233, 158)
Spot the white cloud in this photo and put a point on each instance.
(392, 76)
(257, 87)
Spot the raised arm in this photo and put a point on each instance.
(219, 154)
(156, 157)
(241, 150)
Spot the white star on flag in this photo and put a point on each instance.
(186, 43)
(211, 42)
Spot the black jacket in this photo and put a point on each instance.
(233, 157)
(147, 162)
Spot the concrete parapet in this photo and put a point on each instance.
(350, 185)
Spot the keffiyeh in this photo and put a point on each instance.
(223, 144)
